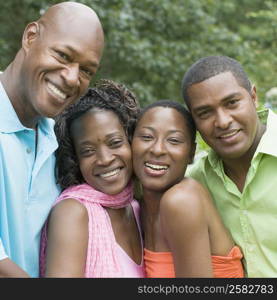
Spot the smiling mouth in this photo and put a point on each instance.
(56, 91)
(156, 167)
(228, 135)
(109, 174)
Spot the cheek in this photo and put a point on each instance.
(126, 155)
(205, 128)
(41, 61)
(182, 157)
(135, 153)
(183, 160)
(136, 157)
(83, 87)
(84, 167)
(252, 123)
(138, 149)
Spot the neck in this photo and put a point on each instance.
(151, 202)
(150, 212)
(237, 174)
(237, 168)
(12, 82)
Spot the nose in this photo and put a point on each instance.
(70, 74)
(104, 156)
(223, 119)
(158, 147)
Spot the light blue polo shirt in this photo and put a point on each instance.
(27, 185)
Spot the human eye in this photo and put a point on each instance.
(88, 73)
(115, 143)
(146, 137)
(85, 152)
(204, 114)
(62, 55)
(232, 102)
(143, 134)
(175, 140)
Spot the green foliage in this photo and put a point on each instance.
(151, 43)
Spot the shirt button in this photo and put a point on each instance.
(28, 150)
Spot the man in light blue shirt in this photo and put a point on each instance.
(51, 71)
(27, 184)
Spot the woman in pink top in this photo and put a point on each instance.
(93, 229)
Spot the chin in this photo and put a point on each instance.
(49, 113)
(158, 188)
(115, 190)
(232, 155)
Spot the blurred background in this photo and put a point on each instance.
(151, 43)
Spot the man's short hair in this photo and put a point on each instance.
(210, 66)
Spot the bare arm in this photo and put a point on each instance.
(8, 269)
(67, 240)
(185, 229)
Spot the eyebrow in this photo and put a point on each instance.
(110, 135)
(169, 131)
(84, 143)
(115, 133)
(91, 63)
(231, 96)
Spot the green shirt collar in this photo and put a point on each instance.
(267, 145)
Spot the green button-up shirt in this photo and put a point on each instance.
(251, 216)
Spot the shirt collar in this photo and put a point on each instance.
(268, 142)
(10, 123)
(267, 145)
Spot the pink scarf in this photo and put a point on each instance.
(101, 254)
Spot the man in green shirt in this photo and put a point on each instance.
(240, 170)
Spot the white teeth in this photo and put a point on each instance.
(229, 134)
(56, 91)
(156, 167)
(114, 172)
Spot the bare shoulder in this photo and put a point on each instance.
(183, 211)
(68, 235)
(69, 209)
(188, 192)
(68, 220)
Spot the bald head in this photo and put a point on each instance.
(69, 11)
(68, 15)
(60, 54)
(69, 6)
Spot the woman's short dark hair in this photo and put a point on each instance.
(177, 106)
(106, 95)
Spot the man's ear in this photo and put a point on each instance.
(31, 33)
(254, 95)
